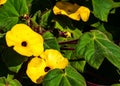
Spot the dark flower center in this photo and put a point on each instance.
(24, 43)
(47, 69)
(39, 79)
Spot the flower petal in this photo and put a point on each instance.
(73, 11)
(22, 33)
(3, 2)
(68, 9)
(36, 69)
(54, 59)
(84, 13)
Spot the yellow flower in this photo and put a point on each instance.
(37, 69)
(54, 59)
(65, 8)
(84, 13)
(73, 11)
(2, 2)
(39, 66)
(24, 40)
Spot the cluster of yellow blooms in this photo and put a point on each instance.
(29, 43)
(73, 11)
(2, 2)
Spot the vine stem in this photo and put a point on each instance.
(69, 42)
(91, 84)
(67, 48)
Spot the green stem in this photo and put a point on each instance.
(33, 22)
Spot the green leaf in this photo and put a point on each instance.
(76, 62)
(14, 82)
(110, 51)
(50, 41)
(75, 33)
(67, 77)
(9, 82)
(2, 81)
(20, 6)
(94, 46)
(10, 77)
(10, 13)
(78, 65)
(36, 17)
(46, 19)
(117, 84)
(53, 76)
(101, 8)
(29, 1)
(100, 26)
(59, 26)
(87, 49)
(16, 62)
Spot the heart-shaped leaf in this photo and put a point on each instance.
(10, 13)
(94, 46)
(101, 8)
(50, 41)
(67, 77)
